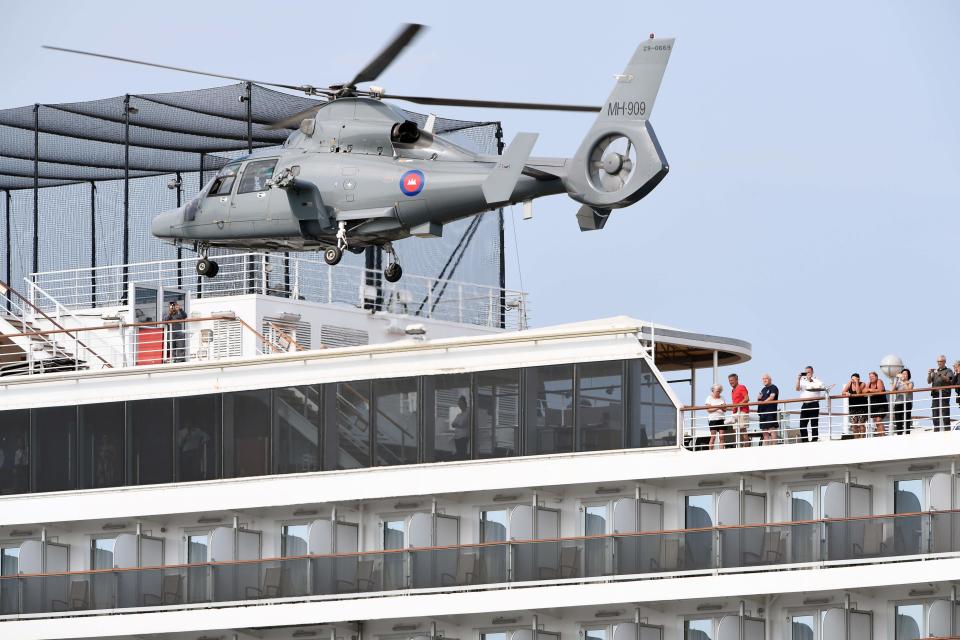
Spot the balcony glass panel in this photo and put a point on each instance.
(600, 405)
(449, 418)
(150, 441)
(347, 425)
(15, 451)
(297, 423)
(246, 433)
(197, 421)
(909, 622)
(395, 421)
(54, 438)
(549, 409)
(497, 413)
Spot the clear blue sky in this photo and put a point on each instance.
(811, 206)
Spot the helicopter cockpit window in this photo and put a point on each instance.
(255, 176)
(223, 183)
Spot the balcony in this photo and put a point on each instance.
(630, 556)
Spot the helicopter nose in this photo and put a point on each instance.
(164, 223)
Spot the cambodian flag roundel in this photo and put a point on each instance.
(411, 182)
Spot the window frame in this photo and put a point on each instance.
(255, 163)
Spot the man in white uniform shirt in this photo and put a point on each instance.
(811, 391)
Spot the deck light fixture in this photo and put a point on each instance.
(504, 620)
(606, 490)
(710, 607)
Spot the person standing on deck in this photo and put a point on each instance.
(811, 391)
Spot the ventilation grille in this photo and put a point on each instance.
(279, 333)
(334, 336)
(227, 337)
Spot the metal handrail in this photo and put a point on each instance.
(500, 543)
(887, 392)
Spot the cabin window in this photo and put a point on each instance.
(197, 446)
(101, 445)
(395, 421)
(223, 183)
(255, 176)
(347, 425)
(600, 405)
(54, 439)
(549, 409)
(497, 413)
(296, 413)
(448, 418)
(246, 433)
(15, 452)
(150, 440)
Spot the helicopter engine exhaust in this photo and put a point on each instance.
(620, 160)
(405, 132)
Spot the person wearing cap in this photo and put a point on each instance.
(936, 378)
(178, 342)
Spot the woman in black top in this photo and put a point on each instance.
(879, 406)
(857, 405)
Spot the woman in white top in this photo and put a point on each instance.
(716, 416)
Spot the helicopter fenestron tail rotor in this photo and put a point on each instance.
(611, 162)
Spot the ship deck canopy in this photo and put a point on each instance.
(46, 145)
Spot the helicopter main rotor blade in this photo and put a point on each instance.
(379, 64)
(305, 88)
(496, 104)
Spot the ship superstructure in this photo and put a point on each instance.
(284, 465)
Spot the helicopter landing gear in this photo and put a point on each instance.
(205, 266)
(333, 255)
(393, 271)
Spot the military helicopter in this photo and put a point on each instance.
(357, 172)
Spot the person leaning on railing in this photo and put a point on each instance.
(716, 416)
(940, 377)
(877, 402)
(956, 378)
(739, 397)
(811, 390)
(856, 405)
(902, 403)
(767, 410)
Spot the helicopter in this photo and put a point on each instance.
(357, 172)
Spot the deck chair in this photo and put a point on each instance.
(873, 541)
(569, 565)
(271, 584)
(771, 551)
(466, 572)
(669, 559)
(78, 598)
(171, 591)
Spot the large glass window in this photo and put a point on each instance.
(294, 540)
(296, 413)
(653, 418)
(246, 433)
(395, 419)
(497, 413)
(802, 627)
(255, 176)
(101, 445)
(15, 452)
(198, 437)
(701, 629)
(908, 530)
(150, 441)
(54, 438)
(449, 417)
(347, 425)
(493, 559)
(699, 513)
(600, 405)
(549, 409)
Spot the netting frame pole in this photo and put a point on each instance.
(126, 195)
(199, 189)
(93, 243)
(6, 222)
(247, 97)
(179, 180)
(503, 261)
(36, 188)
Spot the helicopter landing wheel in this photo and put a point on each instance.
(393, 272)
(207, 268)
(332, 255)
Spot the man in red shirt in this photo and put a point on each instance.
(741, 414)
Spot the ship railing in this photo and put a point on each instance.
(830, 417)
(294, 277)
(120, 345)
(631, 555)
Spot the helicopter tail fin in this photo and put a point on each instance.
(620, 160)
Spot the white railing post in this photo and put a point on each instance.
(329, 285)
(263, 274)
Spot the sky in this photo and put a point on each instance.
(814, 148)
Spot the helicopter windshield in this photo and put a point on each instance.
(223, 183)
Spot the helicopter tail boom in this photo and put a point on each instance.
(620, 160)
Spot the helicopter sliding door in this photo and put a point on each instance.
(250, 212)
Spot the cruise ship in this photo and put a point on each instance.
(283, 465)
